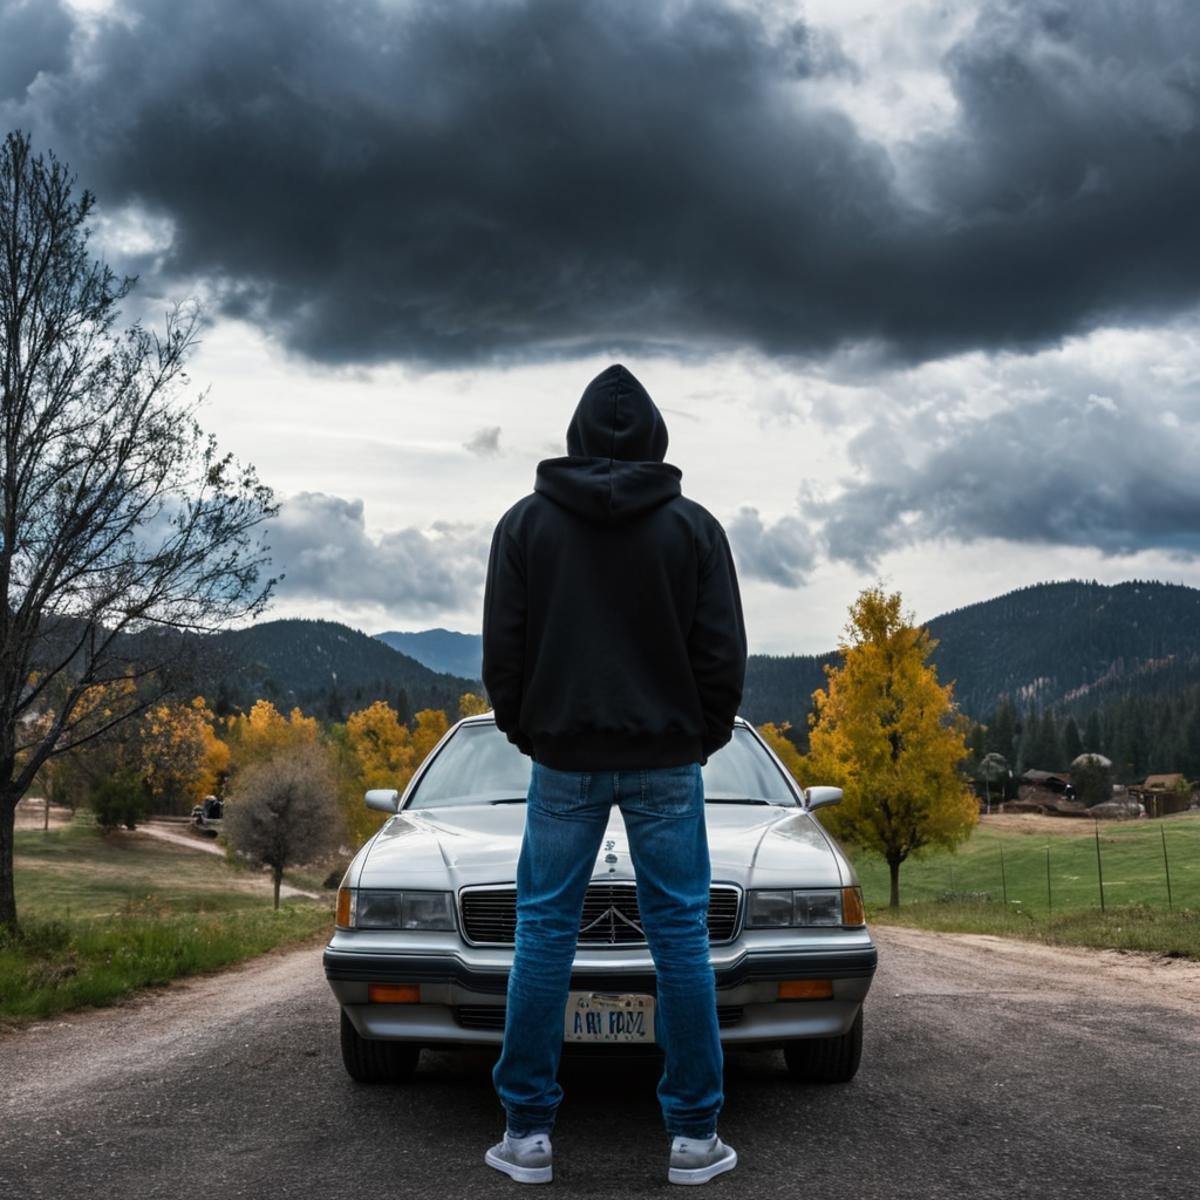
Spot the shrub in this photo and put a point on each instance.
(120, 799)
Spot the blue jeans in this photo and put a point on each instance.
(566, 816)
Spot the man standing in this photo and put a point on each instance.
(614, 654)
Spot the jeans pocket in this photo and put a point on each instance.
(672, 791)
(560, 793)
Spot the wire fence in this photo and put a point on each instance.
(1098, 866)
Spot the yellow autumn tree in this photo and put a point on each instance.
(430, 725)
(375, 751)
(378, 751)
(265, 731)
(180, 756)
(102, 743)
(382, 746)
(785, 748)
(471, 705)
(885, 731)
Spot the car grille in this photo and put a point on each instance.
(610, 915)
(491, 1016)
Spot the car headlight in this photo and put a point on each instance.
(387, 908)
(780, 908)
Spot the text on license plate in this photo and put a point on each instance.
(609, 1017)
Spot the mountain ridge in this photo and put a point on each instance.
(326, 668)
(1071, 644)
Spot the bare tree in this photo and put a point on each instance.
(123, 528)
(283, 810)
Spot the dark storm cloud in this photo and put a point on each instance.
(1070, 471)
(321, 544)
(34, 36)
(453, 182)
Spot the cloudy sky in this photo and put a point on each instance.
(915, 284)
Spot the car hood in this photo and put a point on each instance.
(460, 845)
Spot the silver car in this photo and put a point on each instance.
(426, 917)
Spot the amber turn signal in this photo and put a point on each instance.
(342, 912)
(394, 993)
(806, 989)
(852, 907)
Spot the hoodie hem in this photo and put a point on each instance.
(615, 751)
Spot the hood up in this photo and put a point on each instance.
(614, 466)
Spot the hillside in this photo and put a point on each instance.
(1075, 646)
(440, 649)
(326, 668)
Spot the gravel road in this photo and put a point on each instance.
(990, 1069)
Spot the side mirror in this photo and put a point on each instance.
(388, 799)
(818, 797)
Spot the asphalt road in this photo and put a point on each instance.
(990, 1069)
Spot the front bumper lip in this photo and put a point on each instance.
(347, 966)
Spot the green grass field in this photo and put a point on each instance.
(1038, 878)
(102, 915)
(1131, 858)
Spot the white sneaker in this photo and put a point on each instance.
(525, 1159)
(697, 1160)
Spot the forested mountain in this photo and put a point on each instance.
(1072, 645)
(440, 649)
(1140, 734)
(326, 668)
(1126, 656)
(1075, 646)
(779, 687)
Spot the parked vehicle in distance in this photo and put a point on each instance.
(426, 917)
(208, 814)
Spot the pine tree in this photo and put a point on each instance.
(1002, 730)
(1190, 761)
(1047, 751)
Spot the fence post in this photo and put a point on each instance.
(1099, 868)
(1003, 878)
(1049, 897)
(1166, 865)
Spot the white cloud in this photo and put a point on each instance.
(321, 544)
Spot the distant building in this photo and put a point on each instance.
(1162, 794)
(1052, 781)
(1163, 783)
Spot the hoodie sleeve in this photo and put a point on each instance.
(717, 644)
(504, 635)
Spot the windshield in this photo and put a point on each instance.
(479, 765)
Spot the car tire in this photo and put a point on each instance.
(826, 1060)
(370, 1060)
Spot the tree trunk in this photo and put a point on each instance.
(8, 895)
(894, 870)
(46, 814)
(277, 876)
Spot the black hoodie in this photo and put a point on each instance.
(613, 635)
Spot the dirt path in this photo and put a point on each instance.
(991, 1069)
(208, 846)
(31, 814)
(1042, 826)
(1115, 977)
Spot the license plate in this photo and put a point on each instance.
(609, 1017)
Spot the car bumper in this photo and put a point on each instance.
(462, 993)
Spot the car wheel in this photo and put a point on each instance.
(826, 1060)
(370, 1060)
